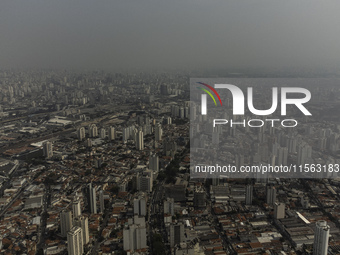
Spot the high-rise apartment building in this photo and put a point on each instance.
(158, 132)
(279, 210)
(271, 195)
(145, 181)
(140, 140)
(93, 199)
(176, 234)
(47, 149)
(65, 222)
(83, 223)
(112, 133)
(169, 206)
(139, 206)
(154, 163)
(249, 194)
(75, 244)
(81, 134)
(321, 236)
(76, 208)
(134, 237)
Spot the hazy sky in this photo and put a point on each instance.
(124, 34)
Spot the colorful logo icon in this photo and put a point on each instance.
(209, 93)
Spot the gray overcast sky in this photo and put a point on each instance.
(168, 34)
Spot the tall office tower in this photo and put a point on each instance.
(112, 133)
(169, 206)
(65, 222)
(140, 141)
(176, 234)
(145, 181)
(279, 210)
(199, 198)
(271, 195)
(47, 149)
(249, 195)
(154, 163)
(102, 133)
(321, 236)
(139, 206)
(158, 132)
(81, 134)
(75, 244)
(134, 237)
(76, 208)
(83, 223)
(101, 201)
(93, 199)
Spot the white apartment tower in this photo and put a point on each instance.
(102, 133)
(81, 134)
(134, 238)
(139, 206)
(75, 244)
(321, 236)
(279, 210)
(140, 140)
(112, 133)
(76, 208)
(48, 149)
(93, 199)
(158, 132)
(83, 223)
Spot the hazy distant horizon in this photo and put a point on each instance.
(170, 35)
